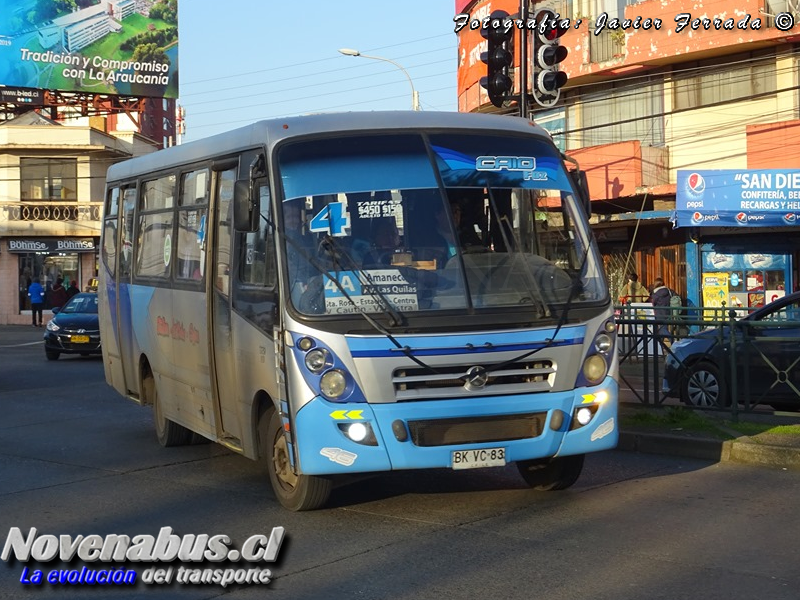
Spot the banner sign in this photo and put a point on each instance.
(24, 246)
(739, 198)
(117, 47)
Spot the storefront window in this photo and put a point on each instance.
(45, 268)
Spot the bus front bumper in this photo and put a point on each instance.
(425, 434)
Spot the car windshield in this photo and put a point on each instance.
(408, 223)
(82, 303)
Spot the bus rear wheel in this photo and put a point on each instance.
(551, 474)
(293, 491)
(168, 432)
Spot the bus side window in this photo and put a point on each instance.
(192, 227)
(110, 231)
(254, 295)
(222, 267)
(126, 246)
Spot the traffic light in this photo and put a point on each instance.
(548, 53)
(499, 57)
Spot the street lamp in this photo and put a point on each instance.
(414, 93)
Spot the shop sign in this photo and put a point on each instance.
(739, 198)
(23, 246)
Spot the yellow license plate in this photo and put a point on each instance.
(80, 339)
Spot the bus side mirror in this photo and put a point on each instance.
(245, 212)
(581, 184)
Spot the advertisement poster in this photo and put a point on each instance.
(715, 293)
(117, 47)
(737, 198)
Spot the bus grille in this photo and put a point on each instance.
(475, 430)
(450, 381)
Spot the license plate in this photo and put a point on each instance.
(80, 339)
(478, 459)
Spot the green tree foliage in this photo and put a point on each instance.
(167, 10)
(150, 53)
(159, 37)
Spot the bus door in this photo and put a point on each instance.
(125, 333)
(223, 359)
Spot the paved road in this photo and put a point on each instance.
(77, 459)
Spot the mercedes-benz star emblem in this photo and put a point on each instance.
(477, 378)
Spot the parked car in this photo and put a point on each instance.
(767, 360)
(74, 329)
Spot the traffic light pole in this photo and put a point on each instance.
(523, 61)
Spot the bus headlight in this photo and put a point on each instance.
(333, 384)
(594, 368)
(603, 343)
(316, 360)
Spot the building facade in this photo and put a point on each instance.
(706, 87)
(51, 198)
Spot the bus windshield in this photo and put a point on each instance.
(408, 222)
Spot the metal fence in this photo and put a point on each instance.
(709, 357)
(39, 210)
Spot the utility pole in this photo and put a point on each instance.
(523, 60)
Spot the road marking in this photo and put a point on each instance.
(25, 344)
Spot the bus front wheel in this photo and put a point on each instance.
(551, 474)
(293, 491)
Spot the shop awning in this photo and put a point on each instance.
(737, 198)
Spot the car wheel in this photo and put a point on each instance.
(294, 491)
(52, 354)
(705, 387)
(168, 432)
(551, 474)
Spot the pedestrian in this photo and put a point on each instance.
(58, 294)
(660, 297)
(36, 293)
(72, 289)
(633, 291)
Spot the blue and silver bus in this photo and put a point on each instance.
(363, 292)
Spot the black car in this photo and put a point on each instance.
(766, 355)
(75, 328)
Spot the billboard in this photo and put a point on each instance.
(740, 198)
(117, 47)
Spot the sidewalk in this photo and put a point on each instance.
(721, 441)
(777, 450)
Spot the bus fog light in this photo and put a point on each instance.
(594, 368)
(333, 384)
(360, 433)
(357, 432)
(583, 416)
(603, 343)
(316, 360)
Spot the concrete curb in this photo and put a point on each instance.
(744, 451)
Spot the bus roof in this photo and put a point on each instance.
(270, 132)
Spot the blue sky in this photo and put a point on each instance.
(246, 60)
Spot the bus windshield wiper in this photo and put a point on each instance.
(562, 319)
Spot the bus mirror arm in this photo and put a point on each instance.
(245, 215)
(581, 183)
